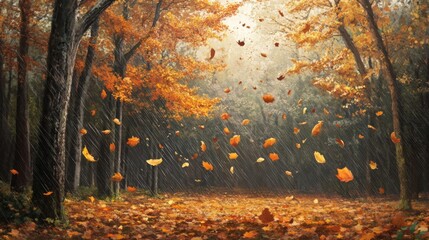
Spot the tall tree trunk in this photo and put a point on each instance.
(118, 141)
(76, 115)
(405, 195)
(4, 128)
(49, 166)
(22, 143)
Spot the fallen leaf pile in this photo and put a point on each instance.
(226, 215)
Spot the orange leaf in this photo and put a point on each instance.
(235, 140)
(274, 157)
(117, 122)
(250, 234)
(340, 142)
(225, 116)
(344, 174)
(296, 130)
(103, 94)
(372, 165)
(379, 113)
(268, 98)
(177, 133)
(298, 145)
(194, 156)
(233, 156)
(131, 189)
(14, 172)
(83, 131)
(381, 190)
(207, 166)
(372, 127)
(93, 112)
(245, 122)
(91, 199)
(325, 111)
(263, 54)
(284, 116)
(317, 128)
(394, 138)
(226, 131)
(269, 142)
(339, 116)
(117, 177)
(47, 193)
(288, 173)
(107, 131)
(227, 90)
(201, 127)
(203, 146)
(212, 53)
(133, 141)
(281, 77)
(360, 136)
(160, 146)
(112, 147)
(266, 216)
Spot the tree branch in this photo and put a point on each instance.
(86, 21)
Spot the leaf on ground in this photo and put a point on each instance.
(266, 216)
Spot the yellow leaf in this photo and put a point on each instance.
(207, 166)
(226, 131)
(344, 174)
(233, 156)
(304, 110)
(91, 199)
(231, 169)
(302, 123)
(269, 142)
(259, 160)
(14, 172)
(133, 141)
(316, 201)
(372, 127)
(87, 155)
(274, 157)
(298, 145)
(319, 157)
(245, 122)
(154, 162)
(185, 164)
(117, 177)
(317, 128)
(203, 146)
(289, 173)
(107, 131)
(372, 165)
(116, 121)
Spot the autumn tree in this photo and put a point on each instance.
(49, 167)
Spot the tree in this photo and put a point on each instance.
(49, 166)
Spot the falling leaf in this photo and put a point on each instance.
(289, 92)
(289, 198)
(87, 155)
(226, 131)
(379, 113)
(241, 43)
(319, 157)
(264, 55)
(235, 140)
(160, 146)
(231, 170)
(194, 156)
(274, 157)
(47, 193)
(261, 19)
(133, 141)
(131, 189)
(381, 190)
(91, 199)
(372, 127)
(203, 146)
(154, 162)
(259, 160)
(225, 116)
(93, 112)
(289, 173)
(317, 128)
(250, 234)
(281, 77)
(185, 164)
(117, 177)
(297, 145)
(344, 174)
(316, 201)
(276, 44)
(212, 53)
(360, 136)
(269, 142)
(103, 94)
(300, 102)
(116, 121)
(207, 166)
(268, 98)
(325, 111)
(284, 116)
(266, 216)
(339, 116)
(281, 13)
(245, 122)
(233, 156)
(372, 165)
(337, 125)
(112, 147)
(227, 90)
(83, 131)
(107, 131)
(177, 133)
(296, 130)
(340, 142)
(303, 123)
(304, 110)
(14, 172)
(304, 140)
(394, 138)
(201, 127)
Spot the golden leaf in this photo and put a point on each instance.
(116, 121)
(154, 162)
(325, 111)
(233, 156)
(259, 160)
(296, 130)
(298, 145)
(226, 131)
(317, 128)
(319, 157)
(379, 113)
(344, 175)
(117, 177)
(269, 142)
(250, 234)
(372, 127)
(372, 165)
(185, 164)
(47, 193)
(83, 131)
(245, 122)
(91, 199)
(360, 136)
(87, 155)
(107, 131)
(231, 169)
(289, 173)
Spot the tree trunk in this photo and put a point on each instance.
(22, 143)
(49, 166)
(4, 128)
(118, 141)
(405, 195)
(76, 112)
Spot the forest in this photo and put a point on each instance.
(214, 119)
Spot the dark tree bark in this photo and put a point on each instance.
(49, 166)
(401, 162)
(22, 143)
(4, 128)
(76, 111)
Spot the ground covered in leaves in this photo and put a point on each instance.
(227, 215)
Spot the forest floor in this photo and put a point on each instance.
(225, 215)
